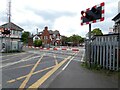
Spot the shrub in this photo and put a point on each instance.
(38, 43)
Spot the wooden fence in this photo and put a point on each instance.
(105, 51)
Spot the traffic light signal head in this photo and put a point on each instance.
(93, 15)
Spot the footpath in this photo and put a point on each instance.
(75, 76)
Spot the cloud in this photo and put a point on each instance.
(63, 15)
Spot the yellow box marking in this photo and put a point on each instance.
(19, 78)
(47, 75)
(11, 81)
(30, 74)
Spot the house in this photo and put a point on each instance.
(13, 40)
(116, 19)
(48, 37)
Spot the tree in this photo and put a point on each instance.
(64, 40)
(38, 43)
(96, 31)
(76, 39)
(25, 36)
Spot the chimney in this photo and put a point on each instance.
(37, 31)
(46, 28)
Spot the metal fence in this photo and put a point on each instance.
(104, 51)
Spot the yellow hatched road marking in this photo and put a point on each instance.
(21, 66)
(30, 74)
(47, 75)
(19, 78)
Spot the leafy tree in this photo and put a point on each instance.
(25, 36)
(38, 43)
(72, 40)
(96, 31)
(76, 39)
(82, 40)
(64, 40)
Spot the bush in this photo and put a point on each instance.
(38, 43)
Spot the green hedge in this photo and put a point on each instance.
(38, 43)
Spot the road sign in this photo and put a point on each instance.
(93, 15)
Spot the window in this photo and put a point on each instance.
(46, 37)
(36, 38)
(13, 31)
(41, 37)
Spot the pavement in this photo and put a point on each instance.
(75, 76)
(38, 68)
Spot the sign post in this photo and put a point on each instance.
(92, 15)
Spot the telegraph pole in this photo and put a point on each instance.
(9, 21)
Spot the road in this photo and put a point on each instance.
(32, 68)
(50, 69)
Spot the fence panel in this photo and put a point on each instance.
(104, 53)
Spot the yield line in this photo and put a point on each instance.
(30, 74)
(47, 75)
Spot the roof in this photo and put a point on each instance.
(56, 32)
(50, 32)
(116, 17)
(13, 26)
(114, 34)
(107, 34)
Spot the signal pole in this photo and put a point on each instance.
(89, 48)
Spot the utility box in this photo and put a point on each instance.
(14, 45)
(20, 45)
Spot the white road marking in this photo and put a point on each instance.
(68, 62)
(83, 57)
(22, 60)
(13, 54)
(76, 60)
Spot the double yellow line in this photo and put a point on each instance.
(40, 81)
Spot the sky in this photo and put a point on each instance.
(62, 15)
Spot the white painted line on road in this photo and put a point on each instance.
(12, 54)
(68, 63)
(76, 60)
(22, 60)
(83, 57)
(10, 59)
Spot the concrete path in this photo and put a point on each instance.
(75, 76)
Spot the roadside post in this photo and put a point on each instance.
(89, 16)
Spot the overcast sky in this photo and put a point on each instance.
(62, 15)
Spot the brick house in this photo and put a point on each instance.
(49, 37)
